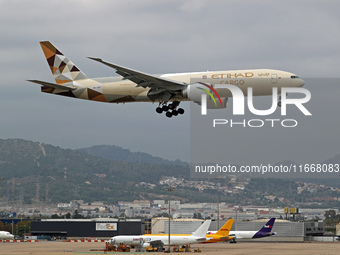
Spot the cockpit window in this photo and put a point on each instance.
(294, 77)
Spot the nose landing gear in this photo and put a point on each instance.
(170, 110)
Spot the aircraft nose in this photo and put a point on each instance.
(301, 83)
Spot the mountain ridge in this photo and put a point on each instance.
(117, 153)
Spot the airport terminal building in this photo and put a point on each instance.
(79, 228)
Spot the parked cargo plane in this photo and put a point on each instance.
(263, 232)
(4, 235)
(197, 237)
(218, 236)
(168, 90)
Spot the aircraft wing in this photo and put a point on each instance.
(52, 85)
(143, 79)
(225, 237)
(202, 239)
(155, 242)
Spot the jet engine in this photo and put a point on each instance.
(195, 91)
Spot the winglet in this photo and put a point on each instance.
(96, 59)
(52, 85)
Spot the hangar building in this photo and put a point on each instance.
(77, 228)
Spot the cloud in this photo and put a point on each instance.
(155, 37)
(193, 6)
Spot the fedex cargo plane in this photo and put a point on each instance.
(168, 90)
(265, 231)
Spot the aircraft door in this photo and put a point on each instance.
(274, 78)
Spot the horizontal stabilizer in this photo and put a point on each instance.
(224, 238)
(52, 85)
(202, 239)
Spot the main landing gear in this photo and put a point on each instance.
(233, 240)
(279, 103)
(170, 110)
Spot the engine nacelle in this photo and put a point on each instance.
(211, 103)
(195, 91)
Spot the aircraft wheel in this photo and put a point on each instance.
(168, 114)
(174, 112)
(180, 110)
(159, 110)
(171, 106)
(165, 108)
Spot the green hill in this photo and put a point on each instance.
(35, 171)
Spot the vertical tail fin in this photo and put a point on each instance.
(267, 228)
(62, 68)
(202, 230)
(225, 229)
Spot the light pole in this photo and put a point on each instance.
(218, 203)
(169, 189)
(1, 178)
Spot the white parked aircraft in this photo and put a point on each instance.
(4, 235)
(263, 232)
(136, 86)
(197, 237)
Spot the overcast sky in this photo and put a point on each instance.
(155, 37)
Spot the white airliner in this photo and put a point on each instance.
(265, 231)
(4, 235)
(168, 90)
(197, 237)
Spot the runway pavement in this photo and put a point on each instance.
(62, 248)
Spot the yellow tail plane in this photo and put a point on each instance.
(222, 234)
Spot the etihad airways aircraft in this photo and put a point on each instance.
(4, 235)
(263, 232)
(218, 236)
(168, 90)
(197, 237)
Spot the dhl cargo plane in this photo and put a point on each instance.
(168, 90)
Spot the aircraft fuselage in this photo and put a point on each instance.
(118, 90)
